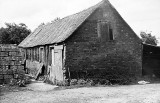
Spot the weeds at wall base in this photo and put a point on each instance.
(21, 81)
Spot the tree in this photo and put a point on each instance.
(13, 33)
(147, 38)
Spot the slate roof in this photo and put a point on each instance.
(59, 30)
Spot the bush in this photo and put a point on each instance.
(20, 80)
(73, 81)
(81, 82)
(104, 82)
(90, 82)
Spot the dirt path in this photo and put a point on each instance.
(40, 86)
(149, 93)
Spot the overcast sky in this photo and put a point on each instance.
(141, 15)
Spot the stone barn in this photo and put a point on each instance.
(94, 43)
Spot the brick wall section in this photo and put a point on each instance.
(85, 51)
(10, 62)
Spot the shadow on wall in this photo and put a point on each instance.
(151, 67)
(151, 61)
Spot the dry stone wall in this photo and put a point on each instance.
(10, 62)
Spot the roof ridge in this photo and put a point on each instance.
(61, 29)
(96, 5)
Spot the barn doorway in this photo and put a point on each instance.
(56, 72)
(151, 61)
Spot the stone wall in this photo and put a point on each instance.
(121, 56)
(10, 62)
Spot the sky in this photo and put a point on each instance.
(141, 15)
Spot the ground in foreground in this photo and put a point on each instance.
(148, 93)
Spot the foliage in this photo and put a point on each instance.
(73, 81)
(148, 38)
(90, 82)
(21, 80)
(13, 33)
(56, 19)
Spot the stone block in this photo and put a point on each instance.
(20, 71)
(6, 59)
(15, 76)
(15, 49)
(12, 53)
(10, 71)
(2, 67)
(3, 53)
(5, 63)
(8, 76)
(19, 58)
(13, 67)
(1, 71)
(4, 72)
(18, 53)
(2, 58)
(7, 80)
(13, 58)
(17, 63)
(12, 62)
(21, 67)
(14, 71)
(1, 76)
(7, 67)
(1, 81)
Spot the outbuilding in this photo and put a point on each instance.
(94, 43)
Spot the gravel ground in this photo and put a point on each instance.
(149, 93)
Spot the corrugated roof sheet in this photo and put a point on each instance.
(59, 30)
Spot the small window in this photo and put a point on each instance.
(34, 50)
(29, 54)
(41, 54)
(105, 31)
(37, 54)
(110, 34)
(32, 54)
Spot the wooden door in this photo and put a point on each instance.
(56, 72)
(58, 65)
(52, 69)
